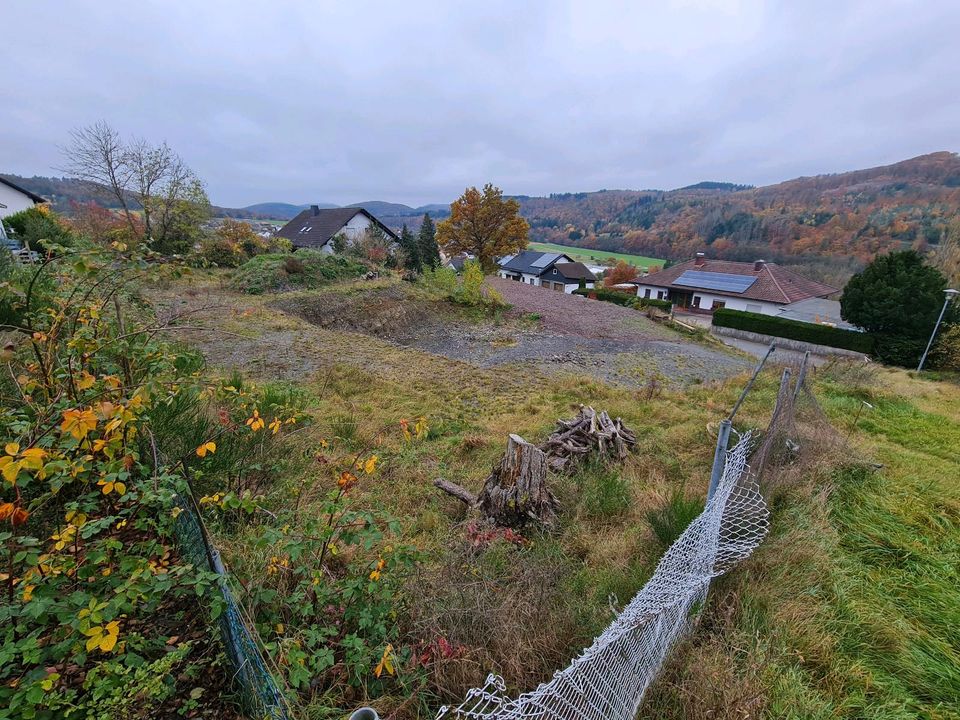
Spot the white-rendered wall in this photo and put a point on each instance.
(758, 306)
(14, 200)
(641, 291)
(356, 227)
(529, 279)
(707, 300)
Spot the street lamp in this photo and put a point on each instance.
(950, 293)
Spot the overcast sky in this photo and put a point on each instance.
(413, 101)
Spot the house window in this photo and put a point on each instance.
(696, 301)
(659, 294)
(717, 304)
(646, 294)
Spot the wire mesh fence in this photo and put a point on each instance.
(259, 691)
(607, 680)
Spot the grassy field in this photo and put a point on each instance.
(851, 608)
(594, 257)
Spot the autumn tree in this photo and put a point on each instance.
(483, 224)
(427, 241)
(161, 198)
(620, 273)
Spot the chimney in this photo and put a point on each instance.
(758, 265)
(314, 210)
(700, 260)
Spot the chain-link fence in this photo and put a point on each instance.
(261, 696)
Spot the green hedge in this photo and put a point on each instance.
(653, 302)
(626, 299)
(793, 330)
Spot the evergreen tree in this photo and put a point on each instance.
(897, 299)
(427, 240)
(411, 248)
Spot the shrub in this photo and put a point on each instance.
(221, 252)
(945, 355)
(664, 305)
(84, 504)
(794, 330)
(36, 224)
(304, 269)
(467, 290)
(607, 295)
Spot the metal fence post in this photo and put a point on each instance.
(723, 434)
(719, 456)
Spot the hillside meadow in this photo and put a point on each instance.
(310, 448)
(843, 612)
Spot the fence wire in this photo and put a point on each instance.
(607, 680)
(261, 696)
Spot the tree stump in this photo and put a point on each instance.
(516, 491)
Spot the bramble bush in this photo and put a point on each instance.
(86, 529)
(102, 424)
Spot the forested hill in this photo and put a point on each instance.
(835, 220)
(849, 216)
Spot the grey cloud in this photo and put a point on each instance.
(412, 102)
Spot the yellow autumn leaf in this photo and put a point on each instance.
(208, 447)
(175, 513)
(86, 381)
(275, 425)
(9, 468)
(32, 458)
(370, 465)
(12, 448)
(78, 423)
(386, 663)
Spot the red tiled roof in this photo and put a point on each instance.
(774, 283)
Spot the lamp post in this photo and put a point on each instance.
(950, 293)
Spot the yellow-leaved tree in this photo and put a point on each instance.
(484, 225)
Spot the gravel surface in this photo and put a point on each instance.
(551, 331)
(578, 316)
(392, 330)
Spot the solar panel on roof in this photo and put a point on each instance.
(544, 260)
(725, 282)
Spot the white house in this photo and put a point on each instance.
(14, 198)
(702, 285)
(552, 271)
(316, 228)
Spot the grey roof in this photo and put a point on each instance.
(32, 195)
(457, 262)
(575, 271)
(314, 228)
(532, 262)
(816, 310)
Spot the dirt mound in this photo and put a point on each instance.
(387, 312)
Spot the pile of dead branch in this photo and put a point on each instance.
(588, 433)
(516, 490)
